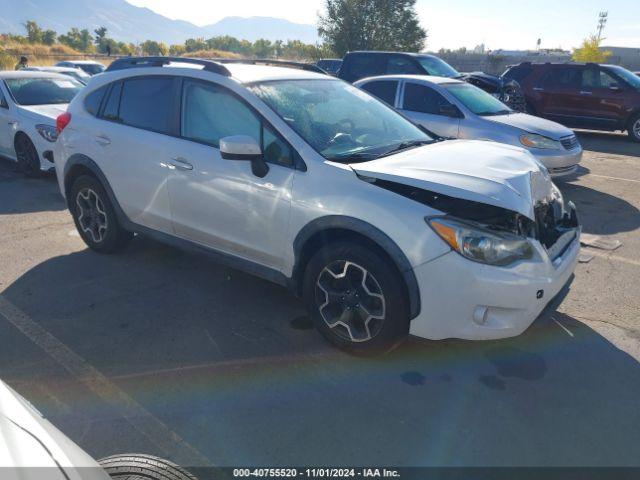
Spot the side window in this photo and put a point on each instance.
(593, 78)
(148, 103)
(275, 149)
(112, 105)
(94, 99)
(361, 66)
(401, 65)
(210, 113)
(561, 77)
(418, 98)
(384, 90)
(3, 101)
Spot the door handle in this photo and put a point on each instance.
(104, 141)
(583, 92)
(12, 123)
(538, 89)
(181, 164)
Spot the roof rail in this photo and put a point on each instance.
(310, 67)
(141, 62)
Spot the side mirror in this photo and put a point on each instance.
(244, 148)
(450, 110)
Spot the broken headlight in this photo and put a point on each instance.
(480, 244)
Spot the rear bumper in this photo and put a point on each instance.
(472, 301)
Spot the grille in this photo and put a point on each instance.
(569, 143)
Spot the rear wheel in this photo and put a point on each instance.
(143, 467)
(95, 217)
(356, 299)
(633, 130)
(27, 155)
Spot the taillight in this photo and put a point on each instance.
(62, 121)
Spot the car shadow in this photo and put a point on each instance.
(601, 213)
(231, 365)
(27, 195)
(608, 142)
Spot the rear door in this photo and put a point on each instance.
(6, 125)
(557, 94)
(422, 105)
(135, 143)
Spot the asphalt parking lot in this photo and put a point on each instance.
(165, 352)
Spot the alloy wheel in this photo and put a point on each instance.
(636, 128)
(350, 301)
(92, 216)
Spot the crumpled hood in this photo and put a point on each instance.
(532, 124)
(486, 172)
(45, 113)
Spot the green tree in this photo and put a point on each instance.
(371, 25)
(78, 40)
(34, 32)
(101, 39)
(49, 37)
(153, 48)
(589, 51)
(263, 48)
(177, 50)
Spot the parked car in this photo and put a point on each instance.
(30, 102)
(77, 73)
(330, 65)
(586, 95)
(32, 448)
(455, 109)
(309, 182)
(359, 65)
(89, 66)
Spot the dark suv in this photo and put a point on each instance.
(589, 95)
(358, 65)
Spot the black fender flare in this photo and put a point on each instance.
(369, 231)
(78, 159)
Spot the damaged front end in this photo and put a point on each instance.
(555, 224)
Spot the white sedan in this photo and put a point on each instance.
(30, 102)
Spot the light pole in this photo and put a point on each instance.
(602, 22)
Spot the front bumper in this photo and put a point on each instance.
(473, 301)
(559, 162)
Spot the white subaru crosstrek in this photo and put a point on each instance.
(304, 180)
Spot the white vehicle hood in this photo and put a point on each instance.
(46, 113)
(29, 440)
(486, 172)
(532, 124)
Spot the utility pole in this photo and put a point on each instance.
(602, 22)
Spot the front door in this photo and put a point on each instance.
(221, 203)
(557, 93)
(6, 127)
(422, 105)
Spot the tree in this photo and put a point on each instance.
(589, 51)
(78, 40)
(371, 25)
(101, 39)
(49, 37)
(153, 48)
(34, 32)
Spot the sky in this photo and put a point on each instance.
(499, 24)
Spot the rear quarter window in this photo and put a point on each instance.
(93, 101)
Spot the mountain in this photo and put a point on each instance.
(128, 23)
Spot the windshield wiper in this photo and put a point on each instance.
(354, 157)
(406, 146)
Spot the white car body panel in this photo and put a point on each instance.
(222, 205)
(29, 441)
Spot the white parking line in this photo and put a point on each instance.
(134, 413)
(613, 178)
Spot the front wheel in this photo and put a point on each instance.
(634, 128)
(143, 467)
(355, 298)
(95, 217)
(27, 156)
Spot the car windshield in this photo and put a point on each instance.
(477, 100)
(91, 68)
(437, 67)
(339, 121)
(627, 76)
(43, 91)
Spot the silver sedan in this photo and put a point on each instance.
(455, 109)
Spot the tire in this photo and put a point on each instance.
(355, 297)
(633, 130)
(27, 156)
(95, 217)
(143, 467)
